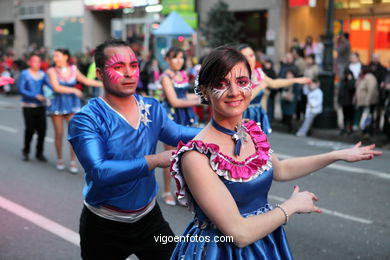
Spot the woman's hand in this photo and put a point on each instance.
(303, 81)
(78, 93)
(301, 202)
(358, 153)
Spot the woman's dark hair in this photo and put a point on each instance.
(218, 64)
(243, 46)
(100, 57)
(173, 51)
(64, 52)
(347, 72)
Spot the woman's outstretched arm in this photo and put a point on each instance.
(295, 168)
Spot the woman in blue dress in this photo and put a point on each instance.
(178, 103)
(65, 102)
(260, 94)
(226, 183)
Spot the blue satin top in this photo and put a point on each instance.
(30, 87)
(112, 151)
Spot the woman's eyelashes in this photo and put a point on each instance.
(243, 83)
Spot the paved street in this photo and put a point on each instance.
(40, 206)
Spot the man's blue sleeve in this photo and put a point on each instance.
(87, 140)
(22, 86)
(171, 133)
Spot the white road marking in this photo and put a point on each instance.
(329, 144)
(378, 174)
(331, 212)
(15, 131)
(9, 105)
(42, 222)
(8, 129)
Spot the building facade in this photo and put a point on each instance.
(264, 22)
(270, 26)
(78, 25)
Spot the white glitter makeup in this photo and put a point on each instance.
(241, 80)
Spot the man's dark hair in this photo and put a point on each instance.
(100, 58)
(33, 54)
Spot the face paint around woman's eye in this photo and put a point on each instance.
(218, 93)
(245, 84)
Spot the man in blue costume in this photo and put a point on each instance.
(115, 138)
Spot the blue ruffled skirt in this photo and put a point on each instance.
(63, 104)
(258, 114)
(201, 244)
(182, 116)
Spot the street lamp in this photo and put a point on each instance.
(328, 118)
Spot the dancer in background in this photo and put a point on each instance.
(66, 101)
(178, 103)
(260, 82)
(31, 87)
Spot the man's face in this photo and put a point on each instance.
(34, 63)
(120, 74)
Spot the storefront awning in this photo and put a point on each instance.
(174, 25)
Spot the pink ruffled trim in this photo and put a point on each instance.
(240, 170)
(245, 169)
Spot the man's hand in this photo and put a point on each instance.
(161, 160)
(40, 97)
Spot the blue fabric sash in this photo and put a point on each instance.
(232, 133)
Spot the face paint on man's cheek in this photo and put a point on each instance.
(136, 74)
(114, 76)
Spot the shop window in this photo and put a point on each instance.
(382, 39)
(359, 37)
(345, 4)
(67, 33)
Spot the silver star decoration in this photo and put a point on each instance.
(145, 107)
(240, 134)
(145, 119)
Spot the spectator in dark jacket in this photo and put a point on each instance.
(345, 99)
